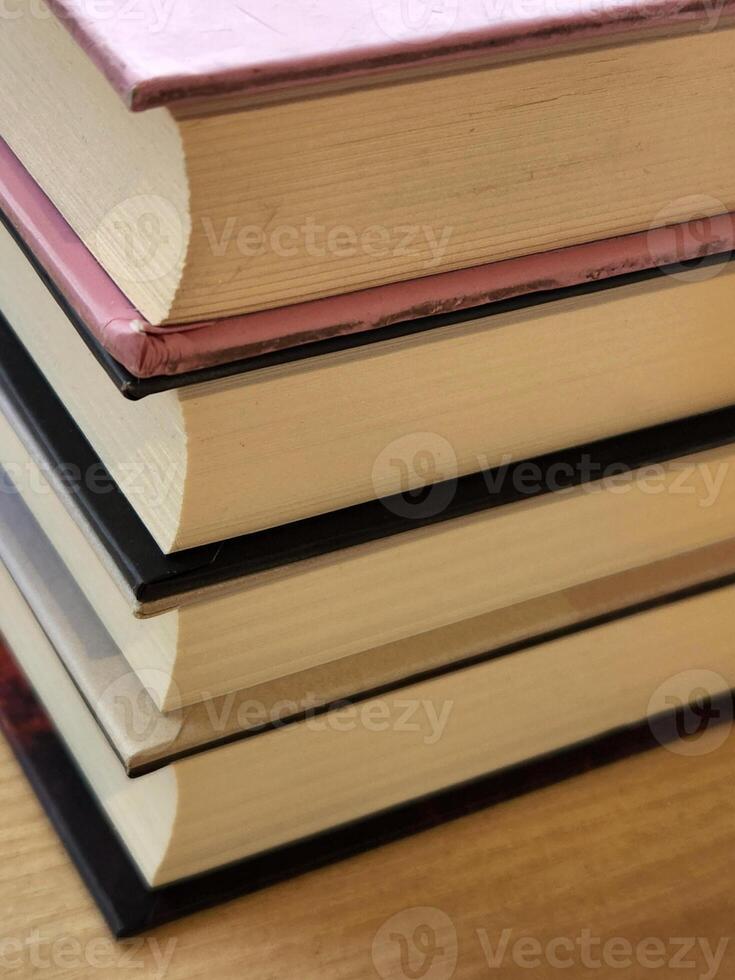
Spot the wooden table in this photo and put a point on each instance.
(640, 850)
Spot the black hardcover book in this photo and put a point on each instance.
(130, 907)
(151, 575)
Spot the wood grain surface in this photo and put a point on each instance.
(629, 869)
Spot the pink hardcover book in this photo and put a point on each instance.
(158, 52)
(109, 321)
(263, 175)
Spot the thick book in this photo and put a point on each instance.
(157, 57)
(142, 359)
(419, 404)
(284, 156)
(145, 739)
(84, 791)
(335, 422)
(319, 590)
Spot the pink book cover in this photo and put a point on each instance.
(148, 352)
(157, 52)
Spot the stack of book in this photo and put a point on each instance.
(367, 428)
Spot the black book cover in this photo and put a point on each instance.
(152, 575)
(130, 907)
